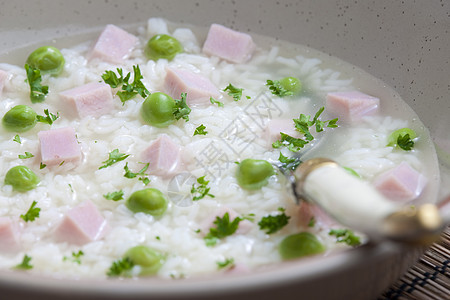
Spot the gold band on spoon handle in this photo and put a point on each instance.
(358, 205)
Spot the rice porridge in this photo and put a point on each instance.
(219, 204)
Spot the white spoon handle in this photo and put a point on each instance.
(358, 205)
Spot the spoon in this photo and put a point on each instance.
(358, 205)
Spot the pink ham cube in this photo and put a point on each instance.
(92, 99)
(351, 106)
(3, 77)
(58, 146)
(401, 183)
(163, 155)
(9, 236)
(311, 214)
(275, 126)
(198, 88)
(244, 226)
(82, 224)
(228, 44)
(113, 45)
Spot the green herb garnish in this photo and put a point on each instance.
(141, 173)
(181, 109)
(26, 155)
(277, 88)
(214, 101)
(345, 236)
(229, 262)
(128, 90)
(273, 223)
(49, 118)
(76, 257)
(17, 139)
(405, 142)
(224, 228)
(402, 138)
(292, 143)
(289, 163)
(114, 157)
(200, 130)
(250, 217)
(25, 264)
(312, 222)
(234, 92)
(32, 213)
(121, 267)
(114, 196)
(41, 166)
(37, 91)
(302, 125)
(201, 190)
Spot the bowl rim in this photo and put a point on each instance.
(277, 275)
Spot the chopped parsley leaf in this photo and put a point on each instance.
(345, 236)
(277, 88)
(292, 143)
(234, 92)
(37, 91)
(25, 264)
(214, 101)
(26, 155)
(224, 228)
(302, 125)
(145, 180)
(201, 190)
(200, 130)
(114, 157)
(289, 163)
(405, 142)
(121, 267)
(250, 217)
(351, 171)
(76, 257)
(312, 222)
(181, 109)
(141, 173)
(41, 166)
(114, 196)
(273, 223)
(229, 262)
(17, 139)
(49, 118)
(128, 90)
(32, 213)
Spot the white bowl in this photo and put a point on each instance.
(404, 44)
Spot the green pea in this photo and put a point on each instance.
(162, 46)
(157, 110)
(252, 174)
(393, 137)
(148, 259)
(21, 178)
(291, 84)
(20, 118)
(47, 59)
(150, 201)
(299, 245)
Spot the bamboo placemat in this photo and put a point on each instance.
(429, 278)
